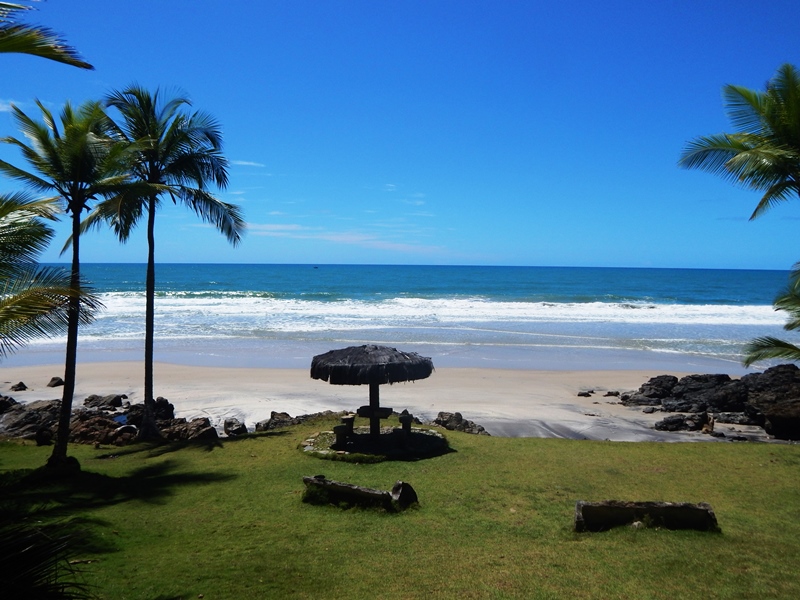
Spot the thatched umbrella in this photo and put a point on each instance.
(373, 365)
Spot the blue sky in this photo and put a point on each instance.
(441, 132)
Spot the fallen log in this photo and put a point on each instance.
(401, 496)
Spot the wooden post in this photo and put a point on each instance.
(349, 421)
(374, 404)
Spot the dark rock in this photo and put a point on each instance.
(43, 436)
(711, 392)
(196, 429)
(658, 387)
(682, 422)
(7, 402)
(18, 387)
(55, 382)
(456, 422)
(24, 420)
(110, 402)
(234, 427)
(776, 394)
(736, 418)
(584, 394)
(649, 410)
(611, 393)
(89, 428)
(164, 411)
(671, 423)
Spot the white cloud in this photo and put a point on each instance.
(350, 238)
(247, 163)
(5, 105)
(390, 187)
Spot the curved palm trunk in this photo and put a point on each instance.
(59, 456)
(149, 429)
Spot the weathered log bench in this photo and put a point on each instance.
(599, 516)
(400, 497)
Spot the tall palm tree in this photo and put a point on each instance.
(37, 41)
(768, 347)
(764, 154)
(178, 155)
(33, 300)
(75, 162)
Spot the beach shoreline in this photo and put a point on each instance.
(507, 402)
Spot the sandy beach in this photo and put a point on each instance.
(513, 403)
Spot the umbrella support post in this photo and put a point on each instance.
(374, 404)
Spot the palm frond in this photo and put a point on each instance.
(766, 348)
(41, 42)
(35, 305)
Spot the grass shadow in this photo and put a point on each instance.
(56, 495)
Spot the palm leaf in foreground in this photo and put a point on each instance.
(35, 305)
(36, 564)
(37, 41)
(768, 347)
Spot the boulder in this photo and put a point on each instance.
(682, 422)
(24, 420)
(456, 422)
(109, 402)
(92, 428)
(18, 387)
(55, 382)
(197, 429)
(6, 402)
(234, 427)
(776, 394)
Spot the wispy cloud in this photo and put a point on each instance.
(350, 238)
(5, 105)
(247, 163)
(390, 187)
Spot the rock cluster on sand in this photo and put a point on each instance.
(455, 422)
(101, 420)
(770, 399)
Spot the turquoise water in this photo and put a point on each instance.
(515, 317)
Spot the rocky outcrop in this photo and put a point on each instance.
(196, 429)
(775, 393)
(102, 420)
(456, 422)
(279, 420)
(770, 399)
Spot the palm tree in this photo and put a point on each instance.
(768, 347)
(764, 155)
(178, 155)
(37, 41)
(33, 300)
(76, 163)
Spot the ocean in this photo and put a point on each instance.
(551, 318)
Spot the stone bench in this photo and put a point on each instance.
(600, 516)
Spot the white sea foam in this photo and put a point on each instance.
(125, 310)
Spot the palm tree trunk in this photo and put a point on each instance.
(59, 456)
(149, 429)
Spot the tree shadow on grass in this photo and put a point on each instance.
(43, 519)
(58, 495)
(154, 449)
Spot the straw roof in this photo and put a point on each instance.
(370, 364)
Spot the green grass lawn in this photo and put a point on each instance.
(494, 521)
